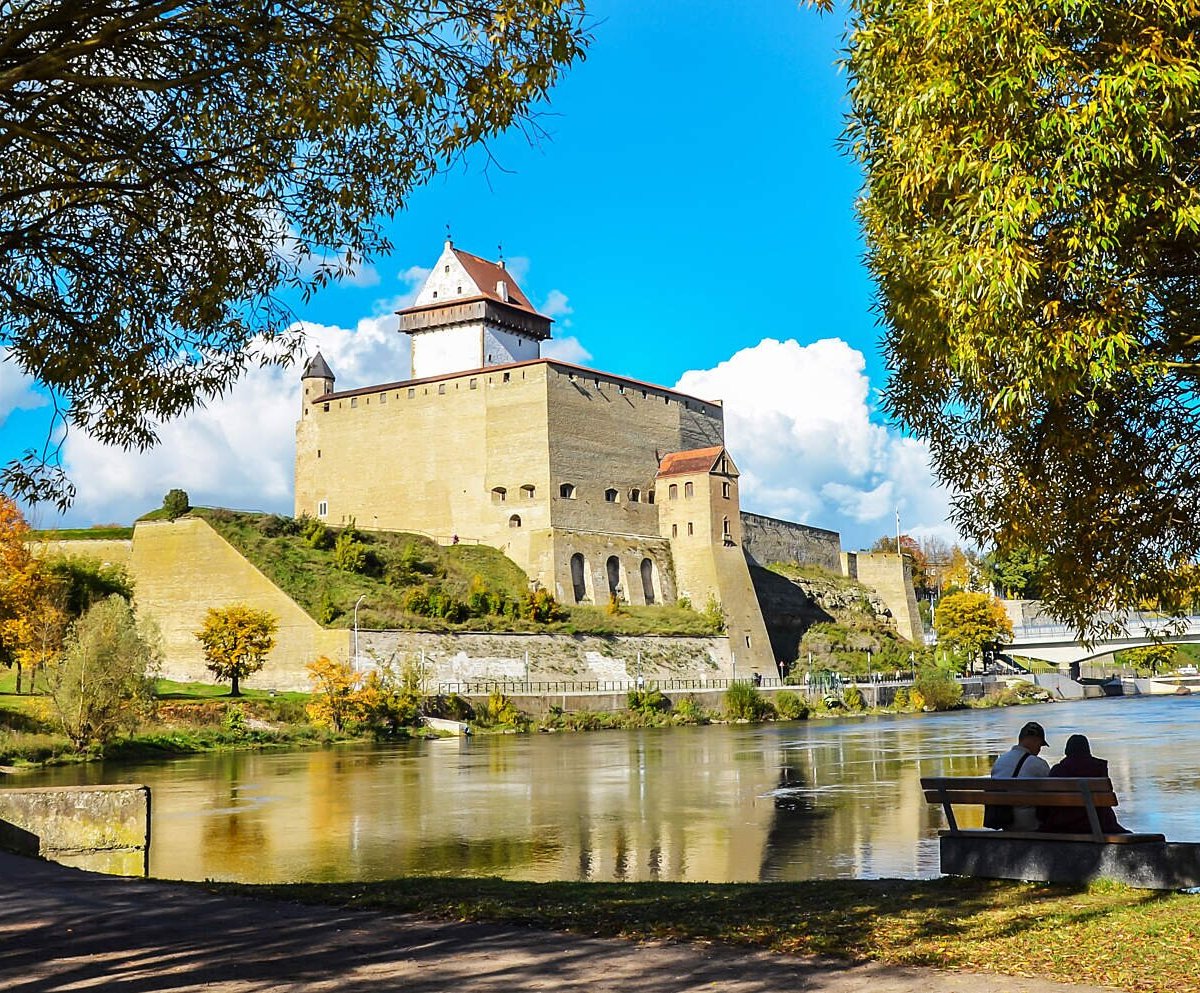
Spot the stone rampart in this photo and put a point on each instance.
(768, 539)
(98, 828)
(890, 575)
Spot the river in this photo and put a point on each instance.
(815, 799)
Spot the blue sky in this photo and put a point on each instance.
(689, 220)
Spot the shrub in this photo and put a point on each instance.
(937, 689)
(385, 705)
(713, 615)
(235, 721)
(853, 699)
(646, 701)
(683, 602)
(349, 554)
(317, 535)
(900, 701)
(688, 711)
(499, 711)
(540, 606)
(743, 701)
(790, 706)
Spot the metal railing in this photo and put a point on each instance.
(483, 687)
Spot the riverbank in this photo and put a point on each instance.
(1105, 934)
(62, 928)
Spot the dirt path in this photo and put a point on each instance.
(61, 929)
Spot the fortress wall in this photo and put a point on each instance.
(110, 551)
(607, 432)
(458, 658)
(890, 575)
(596, 549)
(426, 457)
(768, 539)
(183, 568)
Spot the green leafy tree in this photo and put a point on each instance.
(176, 503)
(236, 641)
(1016, 572)
(1031, 211)
(82, 580)
(935, 688)
(168, 167)
(965, 622)
(105, 681)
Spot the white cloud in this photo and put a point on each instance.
(798, 423)
(16, 389)
(566, 350)
(557, 305)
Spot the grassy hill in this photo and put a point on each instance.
(410, 581)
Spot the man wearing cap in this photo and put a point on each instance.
(1022, 762)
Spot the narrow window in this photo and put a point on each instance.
(323, 508)
(383, 398)
(650, 497)
(725, 490)
(689, 529)
(447, 269)
(474, 383)
(567, 491)
(688, 489)
(441, 389)
(747, 641)
(460, 291)
(354, 401)
(435, 294)
(635, 495)
(318, 453)
(674, 530)
(673, 492)
(578, 582)
(507, 376)
(528, 490)
(610, 496)
(514, 521)
(411, 392)
(613, 568)
(725, 526)
(498, 494)
(327, 408)
(647, 571)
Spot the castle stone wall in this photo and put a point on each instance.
(110, 551)
(890, 575)
(768, 539)
(183, 568)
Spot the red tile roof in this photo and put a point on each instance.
(689, 462)
(486, 274)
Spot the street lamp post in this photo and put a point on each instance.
(356, 606)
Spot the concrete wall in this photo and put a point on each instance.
(110, 551)
(183, 568)
(99, 828)
(768, 539)
(890, 575)
(456, 658)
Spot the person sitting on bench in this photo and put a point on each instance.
(1079, 762)
(1019, 762)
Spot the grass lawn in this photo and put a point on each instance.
(105, 533)
(1138, 940)
(167, 689)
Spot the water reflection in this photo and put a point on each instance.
(809, 800)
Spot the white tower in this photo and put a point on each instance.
(470, 314)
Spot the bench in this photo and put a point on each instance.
(1085, 794)
(1146, 860)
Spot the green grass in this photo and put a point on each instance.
(1104, 934)
(167, 689)
(99, 533)
(310, 577)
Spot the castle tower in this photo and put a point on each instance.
(317, 380)
(700, 512)
(469, 314)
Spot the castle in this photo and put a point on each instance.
(597, 485)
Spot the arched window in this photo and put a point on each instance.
(635, 495)
(725, 490)
(610, 495)
(647, 571)
(689, 528)
(528, 490)
(578, 583)
(514, 521)
(613, 568)
(673, 492)
(688, 489)
(567, 491)
(498, 494)
(650, 496)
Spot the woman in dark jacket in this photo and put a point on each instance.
(1079, 762)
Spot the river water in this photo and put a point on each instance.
(815, 799)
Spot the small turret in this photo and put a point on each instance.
(317, 380)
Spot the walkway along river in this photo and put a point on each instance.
(816, 799)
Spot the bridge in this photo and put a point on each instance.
(1060, 644)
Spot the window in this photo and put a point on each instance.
(610, 496)
(354, 401)
(688, 489)
(435, 294)
(635, 495)
(674, 530)
(460, 291)
(514, 521)
(383, 398)
(498, 494)
(723, 465)
(318, 453)
(650, 497)
(567, 491)
(441, 389)
(507, 376)
(528, 490)
(689, 529)
(747, 641)
(447, 269)
(474, 383)
(323, 508)
(725, 525)
(578, 580)
(613, 570)
(673, 492)
(327, 408)
(647, 571)
(725, 490)
(411, 392)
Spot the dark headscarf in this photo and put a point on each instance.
(1077, 744)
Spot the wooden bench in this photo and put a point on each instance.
(1085, 794)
